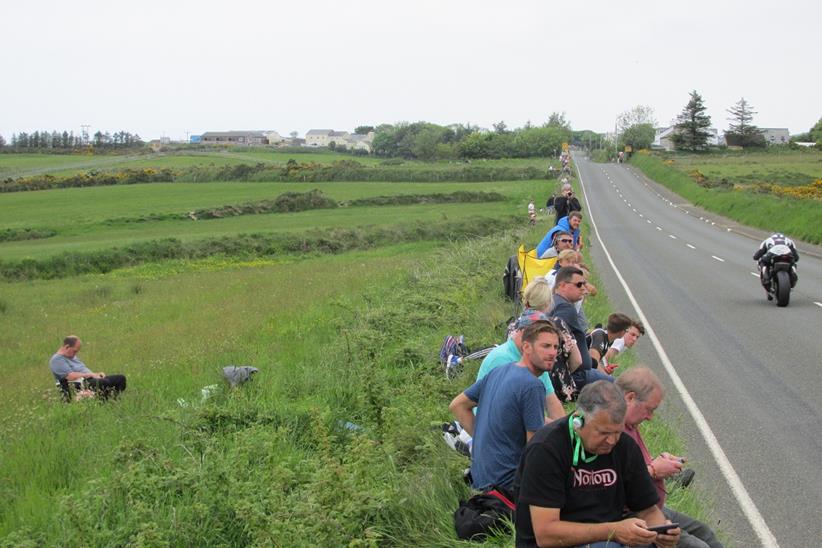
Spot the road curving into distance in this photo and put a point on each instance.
(752, 370)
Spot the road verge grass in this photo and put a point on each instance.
(797, 217)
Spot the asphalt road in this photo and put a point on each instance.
(753, 369)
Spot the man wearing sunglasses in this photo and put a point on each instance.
(554, 242)
(570, 288)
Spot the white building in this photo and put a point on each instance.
(663, 138)
(343, 139)
(775, 135)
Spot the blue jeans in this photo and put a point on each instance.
(587, 376)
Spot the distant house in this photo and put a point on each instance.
(342, 139)
(234, 138)
(324, 137)
(275, 138)
(775, 135)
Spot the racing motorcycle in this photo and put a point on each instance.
(779, 275)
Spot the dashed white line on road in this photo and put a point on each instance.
(754, 274)
(648, 221)
(659, 228)
(817, 303)
(689, 245)
(641, 215)
(720, 259)
(633, 209)
(671, 236)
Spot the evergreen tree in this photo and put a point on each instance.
(741, 131)
(692, 125)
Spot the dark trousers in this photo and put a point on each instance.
(110, 385)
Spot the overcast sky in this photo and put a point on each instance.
(170, 67)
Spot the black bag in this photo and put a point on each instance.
(512, 279)
(484, 514)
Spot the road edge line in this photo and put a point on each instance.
(745, 501)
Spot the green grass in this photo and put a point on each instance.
(782, 168)
(349, 337)
(799, 218)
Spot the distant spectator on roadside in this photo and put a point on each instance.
(66, 366)
(566, 203)
(554, 242)
(566, 257)
(601, 340)
(643, 394)
(627, 341)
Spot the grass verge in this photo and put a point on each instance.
(796, 217)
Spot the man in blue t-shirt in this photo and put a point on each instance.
(513, 408)
(511, 352)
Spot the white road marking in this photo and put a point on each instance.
(648, 221)
(671, 236)
(659, 228)
(754, 274)
(641, 215)
(633, 209)
(720, 259)
(689, 245)
(742, 496)
(817, 303)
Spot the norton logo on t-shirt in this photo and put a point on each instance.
(595, 479)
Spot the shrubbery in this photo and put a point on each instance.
(247, 245)
(343, 170)
(17, 234)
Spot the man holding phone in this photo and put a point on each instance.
(566, 203)
(578, 475)
(643, 394)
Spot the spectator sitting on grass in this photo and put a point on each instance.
(66, 366)
(643, 394)
(511, 352)
(554, 242)
(566, 257)
(627, 341)
(602, 339)
(511, 402)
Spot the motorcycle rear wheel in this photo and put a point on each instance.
(783, 288)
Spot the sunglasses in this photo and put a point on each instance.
(579, 285)
(566, 241)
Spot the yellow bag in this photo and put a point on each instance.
(531, 266)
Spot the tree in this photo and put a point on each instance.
(741, 131)
(500, 127)
(363, 130)
(557, 120)
(640, 114)
(2, 142)
(691, 130)
(639, 136)
(816, 131)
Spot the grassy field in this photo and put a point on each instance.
(790, 203)
(345, 338)
(782, 168)
(20, 165)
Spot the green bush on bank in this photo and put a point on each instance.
(18, 234)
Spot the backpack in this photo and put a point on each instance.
(512, 279)
(484, 514)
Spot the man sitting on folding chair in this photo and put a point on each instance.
(67, 368)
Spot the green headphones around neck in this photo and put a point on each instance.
(575, 421)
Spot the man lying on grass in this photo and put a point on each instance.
(66, 366)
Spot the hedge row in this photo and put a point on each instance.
(248, 245)
(18, 234)
(344, 170)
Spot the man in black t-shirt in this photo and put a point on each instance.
(578, 475)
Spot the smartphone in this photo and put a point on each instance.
(664, 528)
